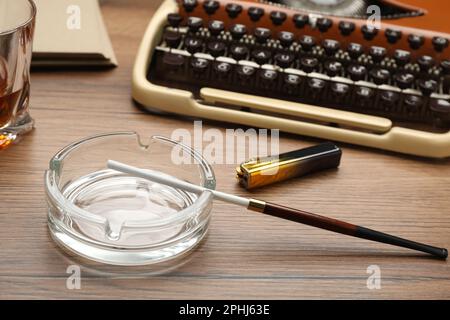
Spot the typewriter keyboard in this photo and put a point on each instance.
(400, 86)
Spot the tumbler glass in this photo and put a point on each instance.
(17, 20)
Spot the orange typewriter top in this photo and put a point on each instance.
(417, 25)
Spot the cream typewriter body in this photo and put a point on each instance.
(327, 75)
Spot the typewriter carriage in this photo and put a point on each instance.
(366, 130)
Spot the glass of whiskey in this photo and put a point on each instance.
(17, 22)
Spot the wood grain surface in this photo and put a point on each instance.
(245, 255)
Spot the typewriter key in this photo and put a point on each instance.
(380, 76)
(404, 80)
(222, 70)
(173, 62)
(393, 36)
(389, 99)
(194, 24)
(216, 27)
(307, 43)
(301, 20)
(190, 5)
(255, 13)
(268, 79)
(284, 60)
(238, 31)
(261, 56)
(333, 68)
(199, 65)
(193, 45)
(173, 39)
(309, 64)
(211, 6)
(427, 86)
(445, 66)
(440, 105)
(340, 91)
(278, 17)
(292, 83)
(316, 87)
(346, 28)
(239, 52)
(286, 38)
(216, 48)
(441, 110)
(355, 50)
(364, 97)
(440, 44)
(324, 24)
(425, 63)
(331, 47)
(377, 53)
(245, 73)
(357, 72)
(174, 19)
(233, 10)
(369, 32)
(415, 41)
(413, 103)
(262, 35)
(402, 57)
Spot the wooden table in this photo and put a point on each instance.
(244, 256)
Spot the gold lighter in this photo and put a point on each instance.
(260, 172)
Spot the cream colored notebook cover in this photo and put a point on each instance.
(71, 33)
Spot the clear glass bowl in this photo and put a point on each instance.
(114, 218)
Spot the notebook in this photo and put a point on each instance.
(71, 33)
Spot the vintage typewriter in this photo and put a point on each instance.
(321, 68)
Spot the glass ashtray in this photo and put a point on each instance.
(118, 219)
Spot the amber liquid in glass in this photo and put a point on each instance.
(8, 104)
